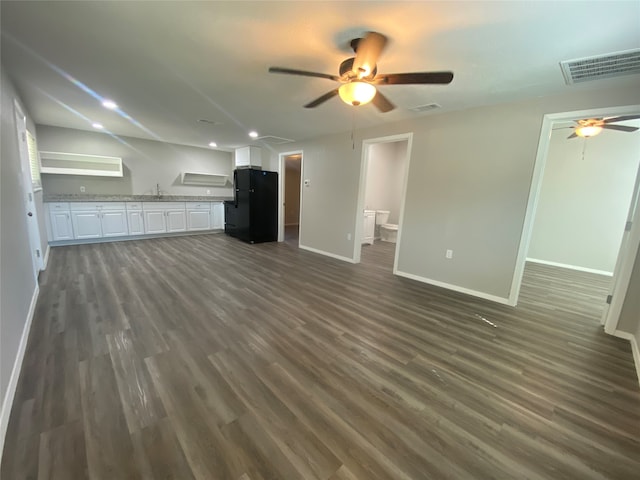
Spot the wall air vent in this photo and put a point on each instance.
(272, 140)
(601, 66)
(425, 108)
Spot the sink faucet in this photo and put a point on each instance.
(158, 190)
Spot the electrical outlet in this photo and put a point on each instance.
(208, 191)
(82, 189)
(348, 236)
(449, 254)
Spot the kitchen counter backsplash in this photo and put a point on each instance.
(86, 197)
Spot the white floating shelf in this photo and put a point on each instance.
(61, 163)
(204, 179)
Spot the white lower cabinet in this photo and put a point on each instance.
(369, 226)
(91, 220)
(86, 224)
(176, 221)
(155, 221)
(217, 215)
(114, 223)
(61, 227)
(135, 221)
(198, 216)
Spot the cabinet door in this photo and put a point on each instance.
(61, 226)
(154, 221)
(217, 216)
(176, 221)
(199, 220)
(114, 223)
(369, 228)
(86, 224)
(136, 224)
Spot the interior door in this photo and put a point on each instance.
(27, 189)
(623, 253)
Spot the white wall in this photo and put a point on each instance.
(146, 163)
(584, 199)
(385, 178)
(468, 186)
(18, 288)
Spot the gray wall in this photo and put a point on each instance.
(385, 178)
(584, 199)
(468, 186)
(146, 163)
(17, 282)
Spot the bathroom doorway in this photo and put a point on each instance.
(291, 177)
(383, 180)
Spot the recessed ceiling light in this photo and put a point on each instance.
(110, 104)
(253, 134)
(97, 125)
(213, 144)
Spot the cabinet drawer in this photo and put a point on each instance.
(112, 206)
(198, 205)
(134, 205)
(58, 206)
(163, 205)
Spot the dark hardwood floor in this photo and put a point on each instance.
(203, 357)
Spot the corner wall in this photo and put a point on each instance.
(18, 287)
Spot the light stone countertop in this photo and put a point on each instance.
(70, 197)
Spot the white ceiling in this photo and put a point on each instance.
(169, 64)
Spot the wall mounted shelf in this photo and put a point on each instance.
(204, 179)
(61, 163)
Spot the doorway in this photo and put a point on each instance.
(383, 182)
(587, 231)
(290, 194)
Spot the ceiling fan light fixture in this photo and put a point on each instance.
(588, 131)
(357, 93)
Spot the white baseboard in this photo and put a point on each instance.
(45, 260)
(634, 348)
(9, 395)
(456, 288)
(327, 254)
(571, 267)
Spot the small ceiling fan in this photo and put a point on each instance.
(359, 76)
(590, 127)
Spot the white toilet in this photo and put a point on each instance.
(388, 231)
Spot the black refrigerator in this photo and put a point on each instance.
(253, 214)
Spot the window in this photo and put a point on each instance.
(34, 161)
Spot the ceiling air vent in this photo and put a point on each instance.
(601, 66)
(271, 140)
(425, 108)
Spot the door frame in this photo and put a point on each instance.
(626, 258)
(364, 168)
(29, 205)
(281, 166)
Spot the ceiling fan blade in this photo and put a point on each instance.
(367, 52)
(322, 99)
(382, 103)
(622, 128)
(304, 73)
(442, 78)
(621, 118)
(573, 135)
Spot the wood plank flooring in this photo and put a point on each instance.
(205, 358)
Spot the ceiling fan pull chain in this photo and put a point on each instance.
(353, 129)
(584, 147)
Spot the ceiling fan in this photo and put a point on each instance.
(590, 127)
(359, 76)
